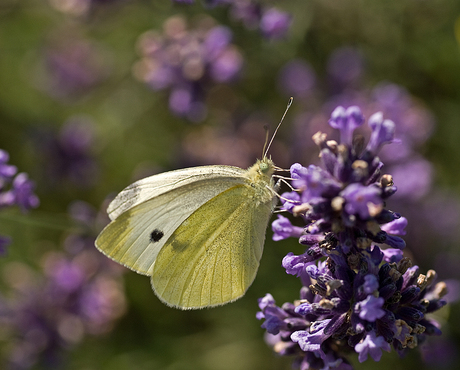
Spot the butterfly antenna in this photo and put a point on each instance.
(279, 124)
(266, 140)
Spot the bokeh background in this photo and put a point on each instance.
(95, 94)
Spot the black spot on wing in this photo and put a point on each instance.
(156, 235)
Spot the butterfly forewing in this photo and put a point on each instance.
(156, 185)
(216, 260)
(128, 240)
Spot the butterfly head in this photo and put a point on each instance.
(262, 171)
(266, 167)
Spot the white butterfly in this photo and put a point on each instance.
(197, 232)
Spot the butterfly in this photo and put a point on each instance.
(197, 232)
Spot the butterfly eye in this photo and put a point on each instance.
(264, 167)
(156, 235)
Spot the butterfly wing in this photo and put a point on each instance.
(213, 256)
(153, 186)
(146, 213)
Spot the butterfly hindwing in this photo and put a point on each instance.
(216, 260)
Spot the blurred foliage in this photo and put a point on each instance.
(409, 42)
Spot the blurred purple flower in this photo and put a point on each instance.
(15, 190)
(296, 78)
(414, 178)
(5, 241)
(283, 229)
(23, 190)
(79, 294)
(7, 171)
(188, 63)
(345, 66)
(72, 67)
(441, 353)
(274, 23)
(80, 7)
(247, 11)
(68, 154)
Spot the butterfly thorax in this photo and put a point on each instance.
(260, 177)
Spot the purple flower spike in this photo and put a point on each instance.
(383, 132)
(372, 345)
(354, 294)
(346, 121)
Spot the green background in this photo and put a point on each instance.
(412, 43)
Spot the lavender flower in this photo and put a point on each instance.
(187, 63)
(78, 293)
(416, 197)
(297, 78)
(359, 293)
(272, 22)
(15, 190)
(78, 8)
(345, 67)
(68, 154)
(71, 67)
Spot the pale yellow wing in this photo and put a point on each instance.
(128, 238)
(156, 185)
(213, 256)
